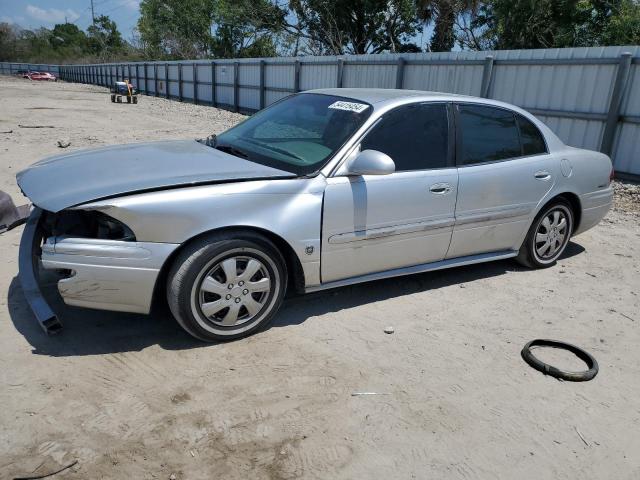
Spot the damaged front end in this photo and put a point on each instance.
(10, 215)
(42, 227)
(101, 264)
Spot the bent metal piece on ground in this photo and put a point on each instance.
(322, 189)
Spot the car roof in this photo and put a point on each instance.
(378, 95)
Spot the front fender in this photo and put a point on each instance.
(291, 209)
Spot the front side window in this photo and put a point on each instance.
(299, 134)
(414, 136)
(488, 134)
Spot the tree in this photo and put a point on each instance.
(623, 28)
(209, 28)
(68, 40)
(516, 24)
(8, 42)
(353, 26)
(445, 15)
(104, 39)
(246, 28)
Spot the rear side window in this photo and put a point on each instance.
(488, 134)
(532, 140)
(414, 136)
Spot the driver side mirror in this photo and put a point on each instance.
(370, 162)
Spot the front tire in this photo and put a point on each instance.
(221, 288)
(548, 236)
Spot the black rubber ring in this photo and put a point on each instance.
(556, 372)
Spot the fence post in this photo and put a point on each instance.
(400, 72)
(487, 75)
(340, 72)
(155, 79)
(296, 78)
(615, 104)
(236, 68)
(166, 80)
(137, 77)
(213, 84)
(179, 82)
(262, 76)
(195, 84)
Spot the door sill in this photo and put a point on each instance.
(425, 267)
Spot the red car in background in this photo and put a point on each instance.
(41, 76)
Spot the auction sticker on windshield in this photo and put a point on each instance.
(349, 106)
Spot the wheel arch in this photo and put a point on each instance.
(293, 264)
(574, 202)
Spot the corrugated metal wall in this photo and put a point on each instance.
(573, 90)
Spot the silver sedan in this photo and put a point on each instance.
(323, 189)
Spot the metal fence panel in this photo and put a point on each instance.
(589, 96)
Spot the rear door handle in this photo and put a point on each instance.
(542, 175)
(440, 188)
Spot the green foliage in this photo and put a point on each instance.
(184, 29)
(355, 26)
(623, 27)
(444, 14)
(104, 39)
(515, 24)
(174, 29)
(64, 43)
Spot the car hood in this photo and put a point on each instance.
(62, 181)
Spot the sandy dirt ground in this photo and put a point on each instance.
(131, 396)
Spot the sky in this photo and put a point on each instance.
(46, 13)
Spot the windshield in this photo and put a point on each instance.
(298, 134)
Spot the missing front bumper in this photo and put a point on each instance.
(112, 275)
(28, 274)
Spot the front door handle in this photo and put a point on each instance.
(542, 175)
(440, 188)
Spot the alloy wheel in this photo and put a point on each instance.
(552, 234)
(234, 291)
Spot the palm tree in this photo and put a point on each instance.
(444, 13)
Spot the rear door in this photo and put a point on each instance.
(504, 172)
(374, 223)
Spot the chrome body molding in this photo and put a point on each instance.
(427, 267)
(494, 214)
(374, 233)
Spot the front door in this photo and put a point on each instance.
(374, 223)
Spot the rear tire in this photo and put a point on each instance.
(225, 287)
(548, 236)
(113, 99)
(135, 100)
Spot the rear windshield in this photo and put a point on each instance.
(299, 134)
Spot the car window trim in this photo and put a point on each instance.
(544, 140)
(451, 150)
(459, 135)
